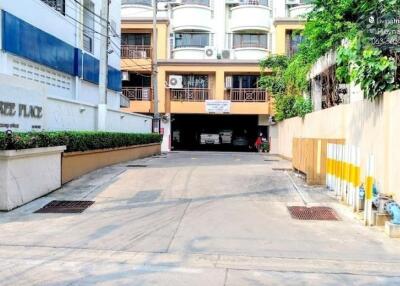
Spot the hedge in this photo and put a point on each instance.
(75, 140)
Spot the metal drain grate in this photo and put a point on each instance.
(66, 207)
(136, 166)
(313, 213)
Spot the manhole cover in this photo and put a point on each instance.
(313, 213)
(65, 207)
(136, 166)
(282, 169)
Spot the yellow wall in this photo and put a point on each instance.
(162, 44)
(280, 39)
(218, 71)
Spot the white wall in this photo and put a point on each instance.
(372, 126)
(62, 114)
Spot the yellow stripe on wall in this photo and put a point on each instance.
(369, 183)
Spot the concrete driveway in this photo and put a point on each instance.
(193, 218)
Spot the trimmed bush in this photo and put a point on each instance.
(75, 140)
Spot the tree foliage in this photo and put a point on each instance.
(357, 31)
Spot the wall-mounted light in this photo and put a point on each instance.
(122, 116)
(82, 109)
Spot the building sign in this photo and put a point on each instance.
(21, 107)
(218, 106)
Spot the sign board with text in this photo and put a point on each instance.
(218, 106)
(21, 106)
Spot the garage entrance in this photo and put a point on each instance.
(215, 132)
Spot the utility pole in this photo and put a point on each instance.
(103, 75)
(156, 120)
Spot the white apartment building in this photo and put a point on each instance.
(208, 54)
(53, 46)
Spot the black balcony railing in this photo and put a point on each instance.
(138, 2)
(58, 5)
(135, 52)
(138, 93)
(246, 95)
(190, 94)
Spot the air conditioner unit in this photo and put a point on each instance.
(228, 82)
(125, 76)
(210, 52)
(226, 54)
(175, 81)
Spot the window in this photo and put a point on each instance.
(137, 2)
(136, 39)
(250, 41)
(293, 41)
(195, 81)
(196, 2)
(58, 5)
(245, 81)
(190, 39)
(88, 26)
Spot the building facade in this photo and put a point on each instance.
(53, 46)
(208, 56)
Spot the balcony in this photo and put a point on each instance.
(301, 10)
(191, 45)
(192, 15)
(135, 52)
(131, 9)
(190, 94)
(138, 93)
(249, 46)
(257, 15)
(58, 5)
(246, 95)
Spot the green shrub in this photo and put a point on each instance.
(75, 140)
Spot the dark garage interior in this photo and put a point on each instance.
(188, 129)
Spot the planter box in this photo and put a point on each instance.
(28, 174)
(76, 164)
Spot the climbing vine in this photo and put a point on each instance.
(366, 38)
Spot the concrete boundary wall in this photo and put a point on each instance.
(372, 126)
(76, 164)
(60, 113)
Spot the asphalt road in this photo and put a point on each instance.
(193, 218)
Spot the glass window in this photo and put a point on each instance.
(245, 81)
(195, 81)
(250, 41)
(198, 40)
(136, 39)
(88, 26)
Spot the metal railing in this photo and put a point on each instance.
(58, 5)
(138, 93)
(246, 95)
(190, 94)
(138, 2)
(255, 2)
(196, 2)
(135, 52)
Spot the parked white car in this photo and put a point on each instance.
(226, 136)
(209, 138)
